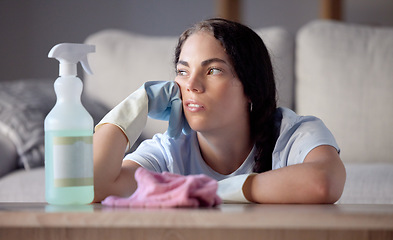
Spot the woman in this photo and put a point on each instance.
(229, 100)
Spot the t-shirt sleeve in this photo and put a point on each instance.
(150, 154)
(295, 142)
(310, 134)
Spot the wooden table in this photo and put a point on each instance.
(241, 221)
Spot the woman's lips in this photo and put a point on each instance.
(193, 106)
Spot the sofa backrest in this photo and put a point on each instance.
(124, 61)
(344, 75)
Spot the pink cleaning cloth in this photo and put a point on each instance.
(169, 190)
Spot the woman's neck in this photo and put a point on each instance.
(225, 151)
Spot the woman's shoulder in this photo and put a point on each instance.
(286, 119)
(162, 152)
(170, 147)
(165, 140)
(297, 136)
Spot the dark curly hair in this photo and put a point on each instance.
(252, 64)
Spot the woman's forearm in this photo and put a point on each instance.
(320, 179)
(110, 177)
(292, 184)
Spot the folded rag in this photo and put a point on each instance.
(169, 190)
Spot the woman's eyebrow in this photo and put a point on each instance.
(183, 63)
(209, 61)
(203, 63)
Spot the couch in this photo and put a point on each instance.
(340, 72)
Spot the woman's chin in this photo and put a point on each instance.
(197, 127)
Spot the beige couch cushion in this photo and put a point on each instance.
(344, 75)
(124, 61)
(368, 183)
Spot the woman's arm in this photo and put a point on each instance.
(112, 176)
(319, 179)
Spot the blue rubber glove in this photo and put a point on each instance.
(159, 100)
(165, 104)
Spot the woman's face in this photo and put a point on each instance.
(213, 96)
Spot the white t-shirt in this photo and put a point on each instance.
(298, 136)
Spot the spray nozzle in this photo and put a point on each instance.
(69, 54)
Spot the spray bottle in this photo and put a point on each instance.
(69, 132)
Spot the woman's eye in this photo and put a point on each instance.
(181, 73)
(214, 71)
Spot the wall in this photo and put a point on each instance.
(29, 28)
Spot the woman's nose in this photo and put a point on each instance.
(195, 84)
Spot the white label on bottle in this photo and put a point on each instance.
(73, 161)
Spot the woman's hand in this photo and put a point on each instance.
(165, 104)
(158, 99)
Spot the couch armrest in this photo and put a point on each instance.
(8, 155)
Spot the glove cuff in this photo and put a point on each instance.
(130, 116)
(230, 190)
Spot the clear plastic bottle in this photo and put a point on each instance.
(69, 133)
